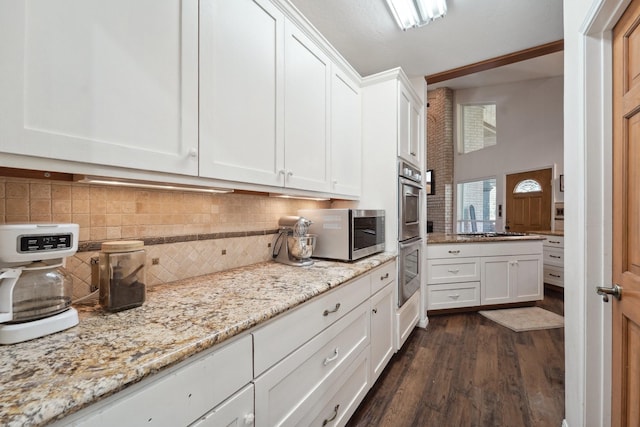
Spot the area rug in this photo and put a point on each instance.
(525, 318)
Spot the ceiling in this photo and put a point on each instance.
(366, 34)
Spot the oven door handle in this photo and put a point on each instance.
(410, 243)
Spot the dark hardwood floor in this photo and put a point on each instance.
(465, 370)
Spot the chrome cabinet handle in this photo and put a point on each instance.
(333, 417)
(555, 256)
(557, 276)
(454, 296)
(454, 252)
(386, 276)
(454, 270)
(374, 311)
(557, 242)
(327, 312)
(331, 358)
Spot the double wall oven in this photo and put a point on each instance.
(409, 240)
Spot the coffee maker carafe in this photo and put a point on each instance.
(293, 246)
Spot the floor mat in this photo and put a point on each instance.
(525, 318)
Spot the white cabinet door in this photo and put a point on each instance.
(112, 83)
(409, 147)
(382, 340)
(306, 125)
(496, 286)
(346, 135)
(508, 279)
(235, 411)
(241, 91)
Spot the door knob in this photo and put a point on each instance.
(616, 291)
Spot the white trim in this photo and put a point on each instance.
(588, 109)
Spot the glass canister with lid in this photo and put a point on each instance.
(122, 275)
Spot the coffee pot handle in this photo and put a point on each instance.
(8, 280)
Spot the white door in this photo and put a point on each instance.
(496, 280)
(306, 127)
(241, 91)
(346, 135)
(101, 82)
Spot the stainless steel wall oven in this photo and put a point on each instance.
(409, 240)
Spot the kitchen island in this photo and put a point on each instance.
(482, 270)
(46, 379)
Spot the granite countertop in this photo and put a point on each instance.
(435, 238)
(50, 377)
(548, 232)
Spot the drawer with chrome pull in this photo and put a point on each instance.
(453, 295)
(453, 270)
(552, 256)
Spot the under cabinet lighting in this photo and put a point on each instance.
(146, 184)
(287, 196)
(416, 13)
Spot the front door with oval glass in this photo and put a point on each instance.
(528, 198)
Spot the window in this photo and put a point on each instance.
(527, 186)
(477, 127)
(477, 206)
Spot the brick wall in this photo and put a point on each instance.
(440, 158)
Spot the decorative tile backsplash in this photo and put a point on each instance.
(113, 213)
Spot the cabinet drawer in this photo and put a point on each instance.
(288, 390)
(453, 270)
(553, 241)
(277, 339)
(343, 396)
(554, 275)
(459, 250)
(453, 295)
(552, 256)
(382, 276)
(179, 397)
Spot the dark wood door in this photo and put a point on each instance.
(626, 221)
(528, 205)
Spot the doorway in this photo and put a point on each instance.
(528, 199)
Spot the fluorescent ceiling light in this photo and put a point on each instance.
(85, 179)
(416, 13)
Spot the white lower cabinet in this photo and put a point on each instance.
(235, 411)
(511, 279)
(475, 274)
(286, 393)
(382, 342)
(407, 318)
(181, 395)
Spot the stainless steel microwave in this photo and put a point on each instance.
(346, 234)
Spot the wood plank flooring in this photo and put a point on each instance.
(465, 370)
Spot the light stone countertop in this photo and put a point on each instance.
(548, 232)
(50, 377)
(442, 238)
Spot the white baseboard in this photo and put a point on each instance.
(565, 423)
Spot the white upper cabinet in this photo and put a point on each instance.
(111, 83)
(346, 135)
(306, 119)
(241, 91)
(409, 135)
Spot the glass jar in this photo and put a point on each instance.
(122, 275)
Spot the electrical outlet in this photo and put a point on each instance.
(224, 252)
(155, 261)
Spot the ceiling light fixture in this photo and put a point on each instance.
(416, 13)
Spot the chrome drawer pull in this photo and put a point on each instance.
(454, 252)
(374, 311)
(555, 256)
(327, 312)
(386, 276)
(333, 417)
(454, 296)
(454, 271)
(331, 358)
(554, 241)
(557, 276)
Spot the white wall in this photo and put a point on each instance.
(529, 136)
